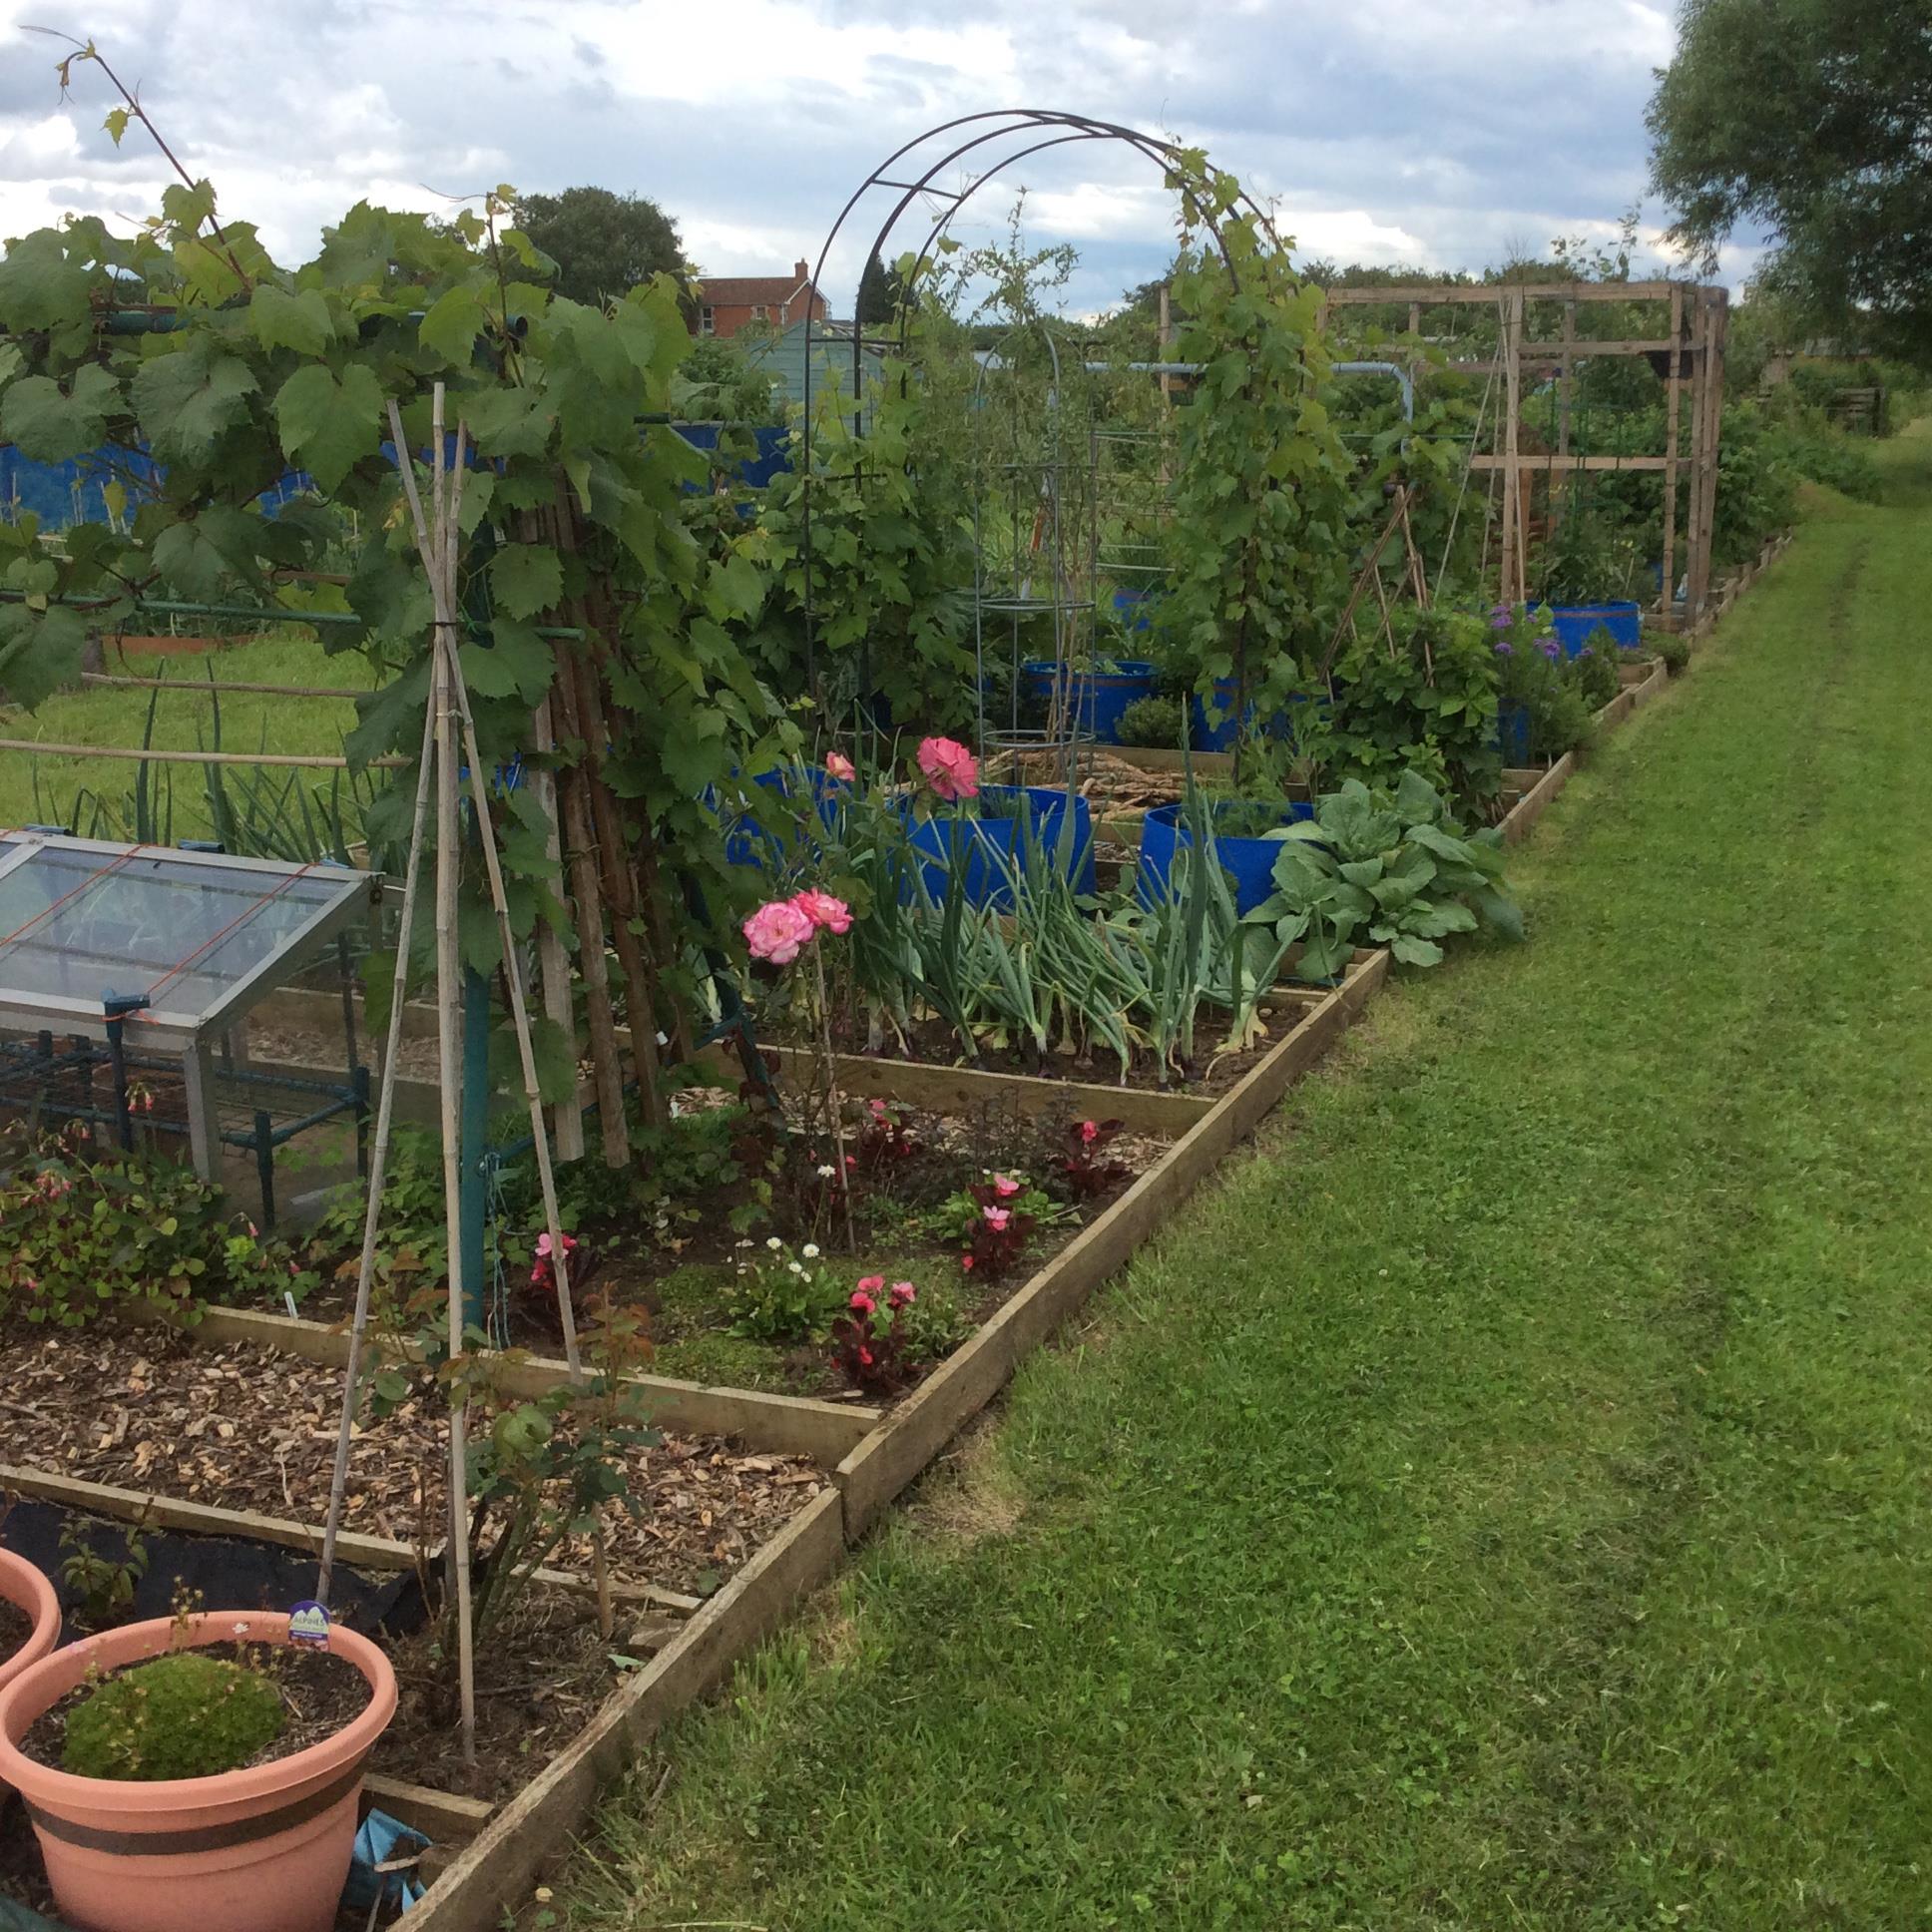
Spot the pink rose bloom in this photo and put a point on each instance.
(839, 766)
(824, 911)
(778, 933)
(902, 1293)
(1005, 1186)
(949, 767)
(1089, 1132)
(997, 1218)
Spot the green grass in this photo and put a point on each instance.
(1500, 1501)
(41, 789)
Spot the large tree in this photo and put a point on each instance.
(1812, 118)
(603, 243)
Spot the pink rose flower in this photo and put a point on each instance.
(997, 1218)
(826, 912)
(778, 933)
(950, 768)
(1005, 1186)
(1089, 1132)
(839, 766)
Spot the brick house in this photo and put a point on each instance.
(725, 304)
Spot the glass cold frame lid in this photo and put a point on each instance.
(79, 920)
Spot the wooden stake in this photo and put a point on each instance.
(567, 1117)
(1667, 597)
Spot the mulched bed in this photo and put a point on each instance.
(243, 1428)
(319, 1692)
(15, 1628)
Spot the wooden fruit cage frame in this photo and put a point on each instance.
(1690, 348)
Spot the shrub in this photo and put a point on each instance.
(1153, 722)
(780, 1297)
(1391, 867)
(1676, 653)
(79, 1234)
(184, 1715)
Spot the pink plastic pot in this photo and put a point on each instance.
(259, 1850)
(26, 1589)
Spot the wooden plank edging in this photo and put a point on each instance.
(794, 1425)
(495, 1869)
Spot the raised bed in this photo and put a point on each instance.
(693, 1645)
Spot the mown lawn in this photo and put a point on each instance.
(38, 789)
(1502, 1501)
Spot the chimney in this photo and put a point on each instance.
(801, 272)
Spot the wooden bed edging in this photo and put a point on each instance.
(794, 1425)
(495, 1869)
(914, 1432)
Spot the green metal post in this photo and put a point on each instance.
(476, 1137)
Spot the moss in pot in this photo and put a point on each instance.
(185, 1715)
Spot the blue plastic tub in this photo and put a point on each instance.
(1249, 862)
(1575, 624)
(1134, 609)
(1212, 725)
(994, 844)
(1094, 700)
(777, 839)
(1513, 734)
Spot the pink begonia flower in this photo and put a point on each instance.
(824, 911)
(1089, 1132)
(870, 1283)
(839, 766)
(1005, 1186)
(949, 767)
(862, 1301)
(966, 1263)
(865, 1357)
(778, 933)
(877, 1108)
(902, 1293)
(997, 1218)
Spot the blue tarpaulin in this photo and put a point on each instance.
(60, 494)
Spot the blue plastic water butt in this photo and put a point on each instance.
(994, 842)
(1135, 607)
(1249, 862)
(1212, 724)
(1095, 699)
(1576, 621)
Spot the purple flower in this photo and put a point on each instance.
(1552, 649)
(1503, 647)
(1586, 652)
(1500, 617)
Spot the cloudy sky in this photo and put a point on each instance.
(1435, 133)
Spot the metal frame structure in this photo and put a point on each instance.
(1692, 351)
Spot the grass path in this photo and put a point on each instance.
(1502, 1501)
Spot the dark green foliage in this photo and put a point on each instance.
(1813, 118)
(1152, 721)
(83, 1231)
(1673, 651)
(603, 244)
(185, 1715)
(1411, 710)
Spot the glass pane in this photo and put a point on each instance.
(82, 924)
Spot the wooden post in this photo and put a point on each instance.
(1514, 574)
(1415, 318)
(567, 1118)
(1667, 595)
(1716, 333)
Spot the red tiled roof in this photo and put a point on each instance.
(740, 291)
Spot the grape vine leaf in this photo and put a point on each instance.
(329, 426)
(285, 320)
(186, 398)
(526, 579)
(40, 287)
(47, 426)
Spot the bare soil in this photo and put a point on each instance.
(16, 1627)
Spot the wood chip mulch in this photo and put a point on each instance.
(240, 1427)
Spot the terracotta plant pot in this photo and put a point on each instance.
(259, 1850)
(26, 1589)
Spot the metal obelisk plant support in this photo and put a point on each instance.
(449, 738)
